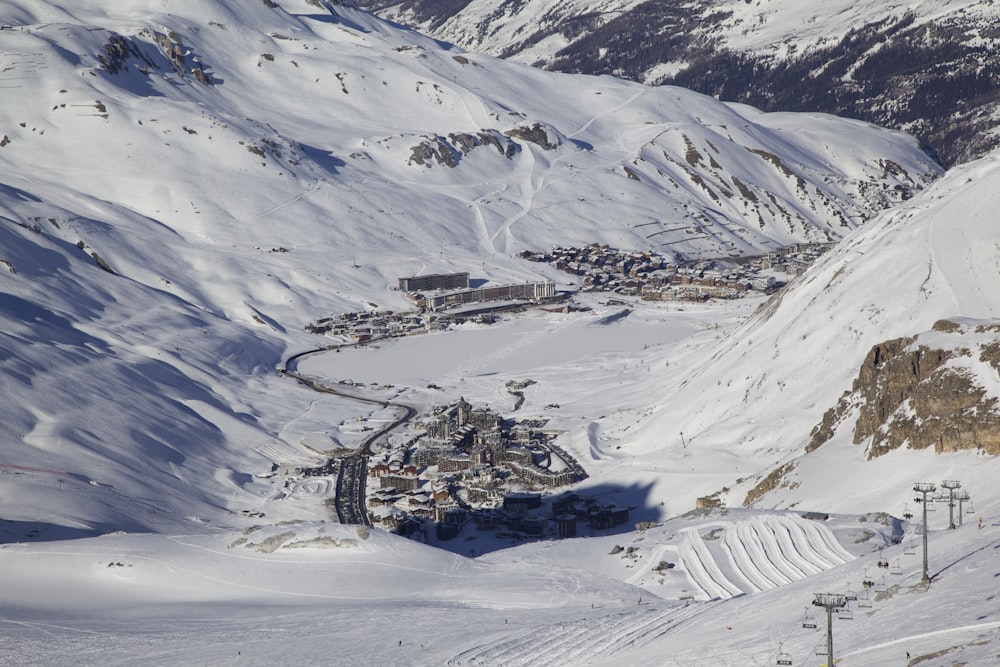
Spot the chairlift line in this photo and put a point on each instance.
(783, 658)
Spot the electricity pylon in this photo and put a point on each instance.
(924, 488)
(951, 485)
(830, 601)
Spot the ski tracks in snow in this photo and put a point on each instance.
(534, 182)
(722, 560)
(579, 641)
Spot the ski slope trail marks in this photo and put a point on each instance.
(727, 559)
(578, 641)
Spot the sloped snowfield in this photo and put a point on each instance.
(740, 590)
(167, 240)
(145, 399)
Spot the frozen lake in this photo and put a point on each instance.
(516, 346)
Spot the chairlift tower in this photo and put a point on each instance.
(952, 486)
(961, 497)
(924, 488)
(830, 601)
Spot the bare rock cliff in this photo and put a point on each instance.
(926, 391)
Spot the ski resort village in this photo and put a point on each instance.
(408, 333)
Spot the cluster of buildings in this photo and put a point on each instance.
(454, 289)
(794, 259)
(469, 465)
(433, 294)
(365, 326)
(654, 278)
(530, 292)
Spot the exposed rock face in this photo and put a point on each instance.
(436, 149)
(121, 51)
(912, 393)
(536, 134)
(448, 152)
(773, 480)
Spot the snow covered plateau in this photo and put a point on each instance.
(186, 186)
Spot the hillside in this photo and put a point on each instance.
(924, 274)
(186, 186)
(928, 68)
(184, 192)
(310, 593)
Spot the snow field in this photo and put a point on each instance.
(163, 374)
(583, 640)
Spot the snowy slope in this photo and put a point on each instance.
(309, 593)
(184, 186)
(184, 190)
(928, 68)
(536, 31)
(768, 383)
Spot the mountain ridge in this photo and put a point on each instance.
(925, 68)
(237, 223)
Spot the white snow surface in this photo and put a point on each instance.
(316, 593)
(144, 413)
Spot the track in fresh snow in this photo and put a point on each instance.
(738, 557)
(580, 640)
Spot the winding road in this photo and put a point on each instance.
(349, 500)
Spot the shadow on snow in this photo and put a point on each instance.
(600, 501)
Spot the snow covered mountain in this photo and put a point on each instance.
(184, 191)
(929, 68)
(920, 280)
(185, 186)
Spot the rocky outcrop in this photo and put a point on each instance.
(773, 480)
(921, 395)
(449, 151)
(536, 134)
(120, 52)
